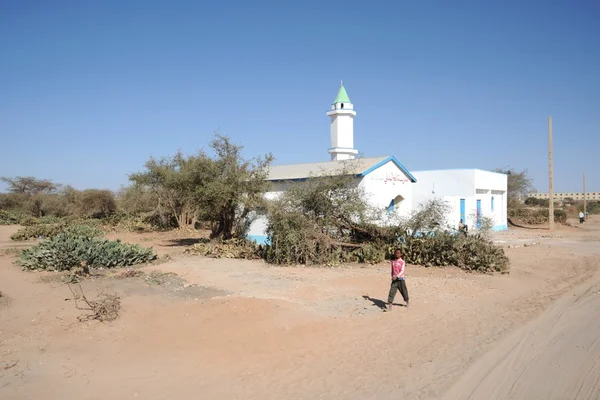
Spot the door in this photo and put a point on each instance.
(478, 213)
(463, 211)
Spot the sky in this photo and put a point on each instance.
(90, 90)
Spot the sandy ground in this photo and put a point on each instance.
(244, 330)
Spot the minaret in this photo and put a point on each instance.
(342, 127)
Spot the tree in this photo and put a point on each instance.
(29, 185)
(220, 191)
(519, 184)
(97, 203)
(230, 187)
(172, 184)
(32, 189)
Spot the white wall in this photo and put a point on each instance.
(443, 183)
(470, 185)
(494, 185)
(384, 184)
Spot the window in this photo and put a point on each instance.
(492, 203)
(342, 105)
(395, 201)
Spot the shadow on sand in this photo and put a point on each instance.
(380, 303)
(524, 227)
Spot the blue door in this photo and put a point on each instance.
(463, 211)
(478, 213)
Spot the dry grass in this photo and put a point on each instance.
(130, 273)
(104, 308)
(10, 252)
(160, 278)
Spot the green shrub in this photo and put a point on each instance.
(472, 253)
(51, 230)
(10, 217)
(68, 250)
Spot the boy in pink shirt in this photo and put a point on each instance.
(398, 282)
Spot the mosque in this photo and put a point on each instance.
(470, 193)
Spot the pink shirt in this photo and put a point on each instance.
(398, 267)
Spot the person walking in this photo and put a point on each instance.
(398, 279)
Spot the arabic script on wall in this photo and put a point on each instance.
(391, 178)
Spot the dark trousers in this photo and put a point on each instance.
(398, 284)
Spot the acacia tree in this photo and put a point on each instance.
(519, 184)
(169, 179)
(32, 189)
(231, 187)
(220, 191)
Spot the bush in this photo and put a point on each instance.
(536, 216)
(95, 203)
(70, 249)
(30, 221)
(294, 240)
(472, 253)
(80, 227)
(535, 202)
(10, 217)
(131, 223)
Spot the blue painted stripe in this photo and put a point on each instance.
(395, 161)
(500, 227)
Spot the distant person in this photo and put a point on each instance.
(581, 217)
(398, 280)
(587, 215)
(462, 227)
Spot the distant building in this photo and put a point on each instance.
(567, 195)
(471, 195)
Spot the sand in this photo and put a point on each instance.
(235, 329)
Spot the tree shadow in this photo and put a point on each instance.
(510, 222)
(380, 303)
(186, 242)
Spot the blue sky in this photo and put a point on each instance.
(90, 90)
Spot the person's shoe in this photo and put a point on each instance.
(388, 307)
(407, 304)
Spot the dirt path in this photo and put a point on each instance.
(252, 331)
(556, 356)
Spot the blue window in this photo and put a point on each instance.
(492, 203)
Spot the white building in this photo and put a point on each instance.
(567, 195)
(387, 183)
(468, 192)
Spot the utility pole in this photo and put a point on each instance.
(584, 196)
(550, 178)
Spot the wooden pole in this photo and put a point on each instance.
(550, 178)
(584, 196)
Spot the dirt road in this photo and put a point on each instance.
(554, 357)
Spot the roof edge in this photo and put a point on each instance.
(385, 161)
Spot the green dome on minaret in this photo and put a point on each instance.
(342, 96)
